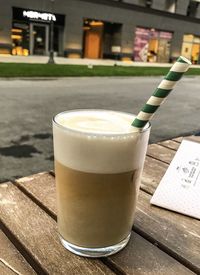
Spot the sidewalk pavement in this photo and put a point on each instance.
(80, 61)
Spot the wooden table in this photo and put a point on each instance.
(163, 242)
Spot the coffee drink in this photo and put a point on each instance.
(98, 163)
(90, 205)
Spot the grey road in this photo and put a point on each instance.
(27, 107)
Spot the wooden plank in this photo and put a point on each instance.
(152, 174)
(132, 260)
(179, 233)
(4, 270)
(161, 153)
(165, 154)
(170, 144)
(178, 139)
(192, 137)
(142, 257)
(36, 231)
(40, 190)
(11, 261)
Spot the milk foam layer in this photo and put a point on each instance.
(98, 141)
(97, 122)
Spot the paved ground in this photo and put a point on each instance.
(79, 61)
(27, 106)
(75, 61)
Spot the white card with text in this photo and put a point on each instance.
(179, 189)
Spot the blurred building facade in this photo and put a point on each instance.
(140, 30)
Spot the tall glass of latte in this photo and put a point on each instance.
(99, 158)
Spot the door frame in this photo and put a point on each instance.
(31, 41)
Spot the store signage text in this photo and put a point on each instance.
(39, 15)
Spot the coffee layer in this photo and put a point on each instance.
(95, 210)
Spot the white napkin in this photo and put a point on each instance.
(179, 189)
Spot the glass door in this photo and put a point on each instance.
(39, 42)
(164, 50)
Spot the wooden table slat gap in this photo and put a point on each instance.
(190, 137)
(145, 190)
(149, 155)
(114, 267)
(168, 147)
(35, 200)
(52, 173)
(166, 249)
(22, 249)
(179, 142)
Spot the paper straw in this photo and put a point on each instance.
(167, 84)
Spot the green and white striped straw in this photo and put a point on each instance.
(167, 84)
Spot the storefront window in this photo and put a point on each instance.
(101, 39)
(20, 39)
(191, 47)
(31, 32)
(152, 45)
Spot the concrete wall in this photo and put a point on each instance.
(5, 27)
(198, 11)
(136, 2)
(6, 17)
(158, 5)
(181, 7)
(77, 10)
(132, 18)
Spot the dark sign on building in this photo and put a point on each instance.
(27, 15)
